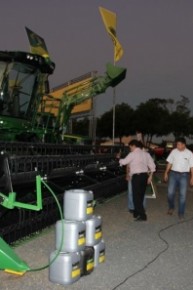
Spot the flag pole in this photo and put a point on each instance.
(110, 21)
(114, 92)
(114, 104)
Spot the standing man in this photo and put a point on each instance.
(141, 167)
(130, 192)
(180, 164)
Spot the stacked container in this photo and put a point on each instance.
(78, 205)
(79, 244)
(64, 268)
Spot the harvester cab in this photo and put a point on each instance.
(23, 81)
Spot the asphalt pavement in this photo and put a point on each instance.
(153, 255)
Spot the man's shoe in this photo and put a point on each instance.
(135, 214)
(170, 211)
(131, 211)
(181, 217)
(140, 219)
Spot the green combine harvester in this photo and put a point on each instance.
(24, 85)
(31, 147)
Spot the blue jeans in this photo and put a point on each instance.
(130, 197)
(177, 181)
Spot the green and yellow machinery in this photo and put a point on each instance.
(30, 146)
(26, 104)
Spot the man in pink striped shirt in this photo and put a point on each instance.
(141, 166)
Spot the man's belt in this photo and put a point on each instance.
(140, 173)
(180, 172)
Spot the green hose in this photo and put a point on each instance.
(62, 239)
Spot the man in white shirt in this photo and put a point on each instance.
(178, 169)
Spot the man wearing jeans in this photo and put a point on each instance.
(180, 165)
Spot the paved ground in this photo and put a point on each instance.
(152, 255)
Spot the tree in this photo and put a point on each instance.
(155, 117)
(180, 118)
(152, 118)
(179, 124)
(123, 122)
(182, 105)
(190, 127)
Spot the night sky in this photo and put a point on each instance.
(156, 35)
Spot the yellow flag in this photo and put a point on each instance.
(37, 43)
(110, 22)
